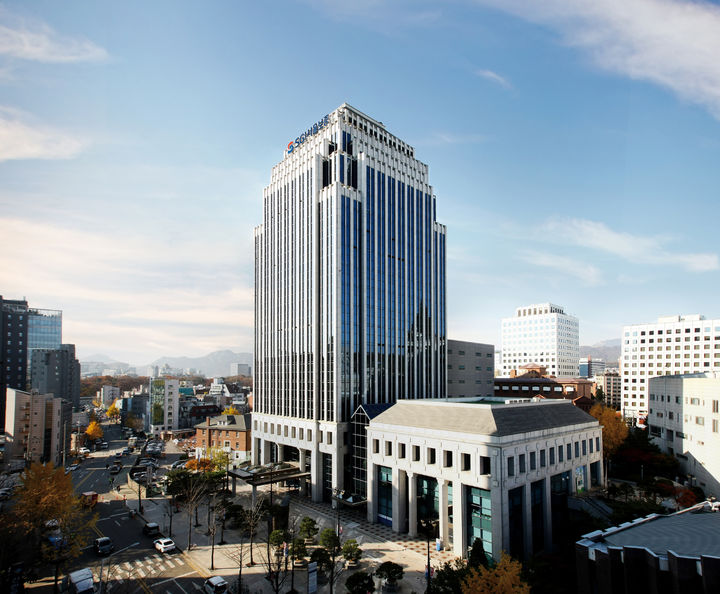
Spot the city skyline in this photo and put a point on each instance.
(573, 146)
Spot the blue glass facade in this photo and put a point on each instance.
(349, 278)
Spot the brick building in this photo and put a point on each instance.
(230, 433)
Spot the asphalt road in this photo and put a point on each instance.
(135, 566)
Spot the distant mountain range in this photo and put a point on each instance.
(213, 365)
(607, 350)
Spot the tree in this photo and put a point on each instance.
(230, 410)
(391, 572)
(220, 458)
(253, 516)
(351, 552)
(135, 423)
(600, 395)
(308, 529)
(200, 464)
(504, 577)
(614, 429)
(360, 583)
(94, 431)
(189, 491)
(330, 541)
(448, 579)
(50, 516)
(113, 411)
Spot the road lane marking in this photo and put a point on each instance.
(118, 523)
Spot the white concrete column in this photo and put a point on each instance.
(316, 474)
(443, 528)
(371, 493)
(547, 510)
(527, 521)
(412, 504)
(303, 468)
(266, 447)
(280, 453)
(338, 478)
(399, 500)
(460, 536)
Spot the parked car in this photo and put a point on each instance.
(104, 546)
(215, 585)
(126, 452)
(179, 464)
(5, 494)
(151, 529)
(164, 545)
(84, 451)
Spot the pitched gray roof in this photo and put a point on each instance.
(234, 422)
(483, 418)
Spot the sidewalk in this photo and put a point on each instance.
(379, 543)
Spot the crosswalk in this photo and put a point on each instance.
(153, 564)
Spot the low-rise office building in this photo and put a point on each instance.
(684, 421)
(679, 552)
(470, 369)
(533, 382)
(488, 469)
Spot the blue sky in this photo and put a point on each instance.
(574, 148)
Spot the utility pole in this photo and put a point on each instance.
(64, 445)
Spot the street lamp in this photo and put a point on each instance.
(428, 527)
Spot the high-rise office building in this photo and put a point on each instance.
(544, 334)
(349, 295)
(589, 367)
(13, 348)
(673, 345)
(56, 371)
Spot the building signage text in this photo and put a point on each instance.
(312, 130)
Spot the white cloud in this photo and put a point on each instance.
(587, 274)
(131, 292)
(633, 248)
(493, 77)
(21, 139)
(449, 138)
(671, 43)
(26, 40)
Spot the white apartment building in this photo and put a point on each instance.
(37, 427)
(544, 334)
(494, 470)
(108, 394)
(673, 345)
(684, 420)
(349, 294)
(164, 405)
(611, 384)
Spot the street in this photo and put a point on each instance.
(134, 566)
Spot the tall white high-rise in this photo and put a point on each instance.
(349, 295)
(673, 345)
(544, 334)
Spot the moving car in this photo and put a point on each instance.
(215, 585)
(89, 499)
(80, 582)
(103, 546)
(115, 469)
(126, 452)
(151, 529)
(164, 545)
(84, 451)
